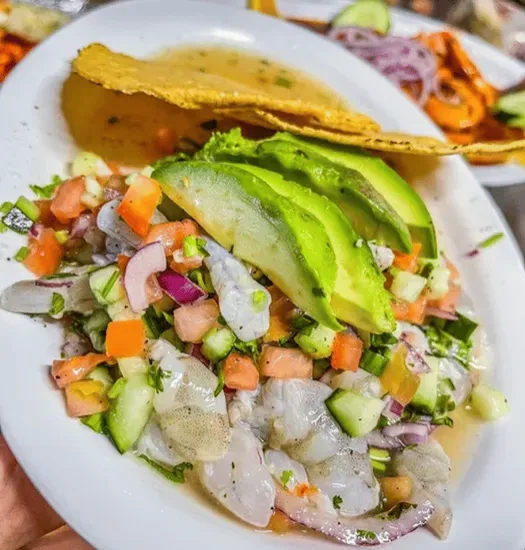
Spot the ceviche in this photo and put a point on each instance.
(270, 319)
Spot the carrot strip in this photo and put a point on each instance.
(66, 371)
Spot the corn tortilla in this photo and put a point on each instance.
(196, 90)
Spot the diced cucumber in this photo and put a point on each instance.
(320, 367)
(437, 283)
(102, 375)
(373, 362)
(407, 286)
(130, 366)
(357, 415)
(316, 340)
(491, 404)
(425, 398)
(130, 411)
(95, 421)
(373, 14)
(171, 336)
(89, 164)
(29, 208)
(93, 195)
(379, 467)
(217, 343)
(121, 311)
(106, 285)
(379, 455)
(99, 320)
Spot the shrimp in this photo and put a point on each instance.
(240, 480)
(152, 443)
(244, 303)
(192, 420)
(429, 468)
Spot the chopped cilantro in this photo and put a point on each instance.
(396, 511)
(47, 191)
(109, 285)
(337, 501)
(117, 388)
(95, 421)
(367, 535)
(176, 474)
(156, 376)
(220, 380)
(57, 304)
(286, 476)
(250, 348)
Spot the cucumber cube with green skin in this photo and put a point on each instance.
(491, 404)
(356, 414)
(407, 286)
(101, 374)
(217, 343)
(106, 285)
(316, 341)
(130, 366)
(130, 411)
(426, 396)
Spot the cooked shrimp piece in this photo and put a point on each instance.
(244, 303)
(240, 480)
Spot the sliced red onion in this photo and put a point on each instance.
(195, 350)
(55, 283)
(401, 60)
(381, 441)
(353, 531)
(180, 288)
(410, 432)
(82, 224)
(441, 314)
(36, 230)
(415, 360)
(393, 409)
(111, 194)
(148, 260)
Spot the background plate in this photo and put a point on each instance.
(116, 502)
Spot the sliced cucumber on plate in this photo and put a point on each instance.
(373, 14)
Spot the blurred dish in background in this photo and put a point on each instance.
(21, 27)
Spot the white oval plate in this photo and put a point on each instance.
(116, 502)
(500, 69)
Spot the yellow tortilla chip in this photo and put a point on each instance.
(196, 90)
(378, 141)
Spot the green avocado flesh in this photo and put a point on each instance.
(399, 194)
(359, 297)
(371, 216)
(245, 214)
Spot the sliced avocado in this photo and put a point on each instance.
(426, 395)
(371, 216)
(242, 212)
(399, 194)
(359, 297)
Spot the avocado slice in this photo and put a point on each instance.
(359, 297)
(400, 195)
(245, 214)
(371, 216)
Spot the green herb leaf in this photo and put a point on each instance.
(47, 191)
(156, 377)
(220, 379)
(57, 304)
(109, 285)
(202, 279)
(286, 476)
(176, 474)
(22, 253)
(250, 348)
(493, 239)
(337, 501)
(396, 511)
(302, 321)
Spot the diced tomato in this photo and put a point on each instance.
(281, 309)
(448, 302)
(240, 372)
(280, 362)
(44, 253)
(66, 204)
(126, 338)
(139, 204)
(66, 371)
(192, 322)
(181, 264)
(346, 352)
(85, 398)
(400, 309)
(171, 234)
(408, 262)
